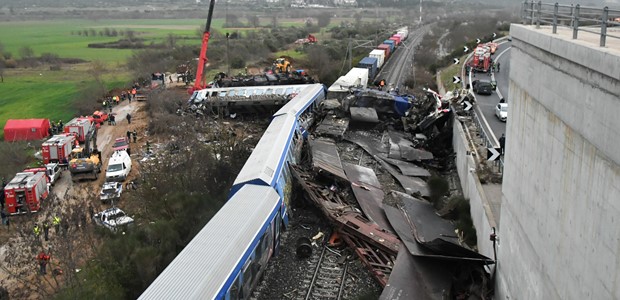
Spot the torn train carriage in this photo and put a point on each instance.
(280, 145)
(230, 253)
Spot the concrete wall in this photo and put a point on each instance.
(480, 209)
(560, 224)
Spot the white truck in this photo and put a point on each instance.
(119, 166)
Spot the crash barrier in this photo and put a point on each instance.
(480, 208)
(579, 18)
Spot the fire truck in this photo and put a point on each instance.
(57, 148)
(481, 60)
(24, 193)
(81, 127)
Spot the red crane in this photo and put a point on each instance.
(202, 59)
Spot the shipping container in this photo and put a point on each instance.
(24, 193)
(379, 55)
(390, 43)
(395, 39)
(369, 63)
(386, 48)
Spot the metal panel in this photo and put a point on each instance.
(325, 156)
(207, 264)
(417, 278)
(367, 191)
(407, 168)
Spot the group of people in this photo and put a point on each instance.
(133, 133)
(55, 128)
(116, 99)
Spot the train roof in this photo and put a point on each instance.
(305, 98)
(247, 91)
(270, 151)
(204, 267)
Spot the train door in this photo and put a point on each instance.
(277, 228)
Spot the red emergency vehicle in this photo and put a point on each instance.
(24, 193)
(57, 148)
(81, 127)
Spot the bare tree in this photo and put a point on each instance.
(26, 52)
(253, 21)
(97, 70)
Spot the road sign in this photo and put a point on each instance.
(494, 35)
(468, 105)
(493, 153)
(456, 79)
(456, 61)
(477, 41)
(465, 49)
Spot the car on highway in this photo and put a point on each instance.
(501, 111)
(483, 87)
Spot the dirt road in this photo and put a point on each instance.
(73, 203)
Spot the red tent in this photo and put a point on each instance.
(26, 129)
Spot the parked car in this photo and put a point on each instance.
(113, 218)
(501, 111)
(120, 144)
(111, 191)
(100, 117)
(483, 87)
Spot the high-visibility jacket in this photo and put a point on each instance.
(36, 230)
(56, 220)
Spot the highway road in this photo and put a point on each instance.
(487, 103)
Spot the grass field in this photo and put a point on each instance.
(41, 93)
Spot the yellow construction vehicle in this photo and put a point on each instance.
(281, 65)
(86, 160)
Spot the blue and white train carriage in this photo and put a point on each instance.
(281, 144)
(227, 257)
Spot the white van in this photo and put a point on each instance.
(119, 166)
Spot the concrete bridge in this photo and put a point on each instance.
(559, 236)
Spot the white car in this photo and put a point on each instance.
(501, 111)
(113, 218)
(111, 191)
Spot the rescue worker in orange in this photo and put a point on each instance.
(43, 259)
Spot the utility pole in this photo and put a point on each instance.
(420, 11)
(228, 54)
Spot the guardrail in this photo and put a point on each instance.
(579, 18)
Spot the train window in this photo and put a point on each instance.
(231, 93)
(289, 91)
(241, 92)
(268, 92)
(259, 91)
(233, 292)
(223, 94)
(279, 91)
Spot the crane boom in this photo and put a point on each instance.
(202, 59)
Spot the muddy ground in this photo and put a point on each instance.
(74, 203)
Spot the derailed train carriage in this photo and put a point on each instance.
(227, 257)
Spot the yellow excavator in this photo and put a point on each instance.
(281, 65)
(86, 161)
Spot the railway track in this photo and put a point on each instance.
(327, 280)
(399, 67)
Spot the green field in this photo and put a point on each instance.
(41, 93)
